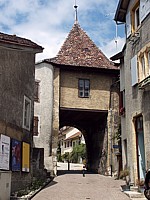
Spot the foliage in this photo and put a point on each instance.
(77, 152)
(118, 134)
(124, 174)
(140, 182)
(34, 186)
(59, 157)
(66, 156)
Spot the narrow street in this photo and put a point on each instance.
(73, 185)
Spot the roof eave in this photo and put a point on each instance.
(117, 56)
(21, 47)
(120, 15)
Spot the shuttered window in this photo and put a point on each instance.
(134, 70)
(128, 24)
(84, 87)
(36, 123)
(36, 91)
(122, 102)
(26, 113)
(144, 9)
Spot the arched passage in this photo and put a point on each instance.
(93, 126)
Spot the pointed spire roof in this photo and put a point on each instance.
(79, 50)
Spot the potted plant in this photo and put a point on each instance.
(124, 174)
(140, 183)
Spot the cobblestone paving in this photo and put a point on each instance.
(73, 186)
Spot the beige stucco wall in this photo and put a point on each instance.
(99, 91)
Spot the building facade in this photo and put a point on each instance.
(84, 93)
(135, 86)
(17, 69)
(43, 111)
(69, 138)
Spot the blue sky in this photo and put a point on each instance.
(48, 22)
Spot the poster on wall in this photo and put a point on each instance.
(25, 157)
(4, 152)
(16, 155)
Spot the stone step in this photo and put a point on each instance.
(134, 188)
(134, 194)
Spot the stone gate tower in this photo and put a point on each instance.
(83, 94)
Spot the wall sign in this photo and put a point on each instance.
(16, 155)
(25, 157)
(4, 152)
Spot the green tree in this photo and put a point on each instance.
(79, 151)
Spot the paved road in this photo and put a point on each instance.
(73, 186)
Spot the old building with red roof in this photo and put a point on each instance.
(17, 70)
(84, 90)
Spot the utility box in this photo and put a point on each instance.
(5, 185)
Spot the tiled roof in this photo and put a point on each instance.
(76, 135)
(79, 50)
(15, 40)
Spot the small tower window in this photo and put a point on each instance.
(84, 87)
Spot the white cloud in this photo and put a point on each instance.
(112, 48)
(48, 22)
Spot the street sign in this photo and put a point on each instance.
(115, 146)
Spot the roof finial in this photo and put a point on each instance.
(76, 12)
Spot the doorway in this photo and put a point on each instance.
(140, 148)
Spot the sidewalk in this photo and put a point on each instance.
(134, 195)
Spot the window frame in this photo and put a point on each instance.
(144, 53)
(122, 102)
(36, 91)
(36, 126)
(26, 113)
(82, 89)
(134, 15)
(148, 60)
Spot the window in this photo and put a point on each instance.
(26, 113)
(84, 88)
(36, 91)
(122, 102)
(143, 66)
(148, 55)
(139, 123)
(135, 16)
(68, 144)
(35, 128)
(144, 62)
(71, 143)
(134, 70)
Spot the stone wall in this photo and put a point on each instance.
(16, 80)
(136, 101)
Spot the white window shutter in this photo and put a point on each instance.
(144, 9)
(128, 24)
(134, 70)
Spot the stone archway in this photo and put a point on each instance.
(93, 126)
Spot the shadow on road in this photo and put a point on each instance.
(63, 172)
(51, 184)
